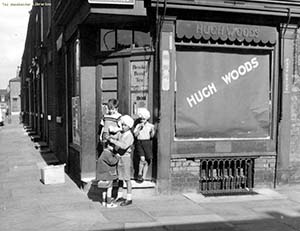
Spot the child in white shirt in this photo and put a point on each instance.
(122, 144)
(144, 132)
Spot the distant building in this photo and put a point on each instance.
(3, 100)
(14, 100)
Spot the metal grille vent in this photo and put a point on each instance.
(226, 176)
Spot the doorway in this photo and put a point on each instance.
(129, 78)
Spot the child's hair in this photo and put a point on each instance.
(113, 103)
(143, 113)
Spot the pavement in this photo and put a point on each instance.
(28, 204)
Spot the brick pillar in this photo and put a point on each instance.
(287, 59)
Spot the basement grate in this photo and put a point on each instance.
(226, 176)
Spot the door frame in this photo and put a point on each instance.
(123, 62)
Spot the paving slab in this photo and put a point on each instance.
(127, 215)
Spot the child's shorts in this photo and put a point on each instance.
(124, 167)
(144, 148)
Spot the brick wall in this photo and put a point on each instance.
(294, 168)
(264, 172)
(185, 173)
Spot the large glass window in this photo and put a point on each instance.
(223, 93)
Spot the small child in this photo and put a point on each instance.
(122, 143)
(144, 132)
(109, 125)
(106, 173)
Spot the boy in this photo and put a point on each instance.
(144, 132)
(122, 143)
(109, 125)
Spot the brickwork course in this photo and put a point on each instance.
(28, 204)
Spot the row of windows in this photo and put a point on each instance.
(111, 40)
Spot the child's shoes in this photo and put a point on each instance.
(140, 179)
(120, 199)
(111, 205)
(126, 202)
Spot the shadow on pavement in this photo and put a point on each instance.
(276, 222)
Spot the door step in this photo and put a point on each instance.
(27, 128)
(145, 184)
(35, 138)
(140, 190)
(45, 150)
(41, 145)
(31, 133)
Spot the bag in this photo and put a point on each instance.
(104, 183)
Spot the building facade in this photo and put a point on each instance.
(219, 78)
(3, 99)
(14, 99)
(3, 104)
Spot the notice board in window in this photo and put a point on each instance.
(76, 120)
(223, 93)
(139, 85)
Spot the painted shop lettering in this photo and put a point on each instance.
(228, 30)
(240, 71)
(198, 96)
(211, 88)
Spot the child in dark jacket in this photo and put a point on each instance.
(106, 173)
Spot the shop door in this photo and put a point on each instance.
(129, 79)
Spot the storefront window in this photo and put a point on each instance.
(77, 68)
(76, 99)
(76, 120)
(223, 93)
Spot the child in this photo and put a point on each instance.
(144, 132)
(110, 124)
(106, 173)
(122, 143)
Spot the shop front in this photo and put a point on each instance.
(221, 79)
